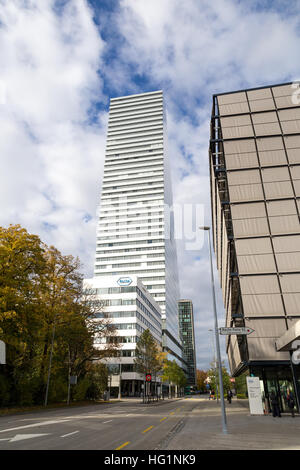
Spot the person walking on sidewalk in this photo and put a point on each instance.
(275, 405)
(290, 402)
(229, 396)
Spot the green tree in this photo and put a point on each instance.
(213, 374)
(146, 355)
(173, 374)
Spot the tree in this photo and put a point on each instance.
(146, 354)
(173, 374)
(214, 378)
(201, 376)
(43, 311)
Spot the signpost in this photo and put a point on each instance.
(254, 394)
(2, 352)
(236, 331)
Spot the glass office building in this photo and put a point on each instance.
(186, 327)
(255, 194)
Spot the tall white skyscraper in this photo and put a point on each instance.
(135, 230)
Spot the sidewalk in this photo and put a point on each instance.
(202, 429)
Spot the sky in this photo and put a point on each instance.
(62, 60)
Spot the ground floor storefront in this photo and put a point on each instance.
(280, 378)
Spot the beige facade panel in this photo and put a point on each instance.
(295, 172)
(290, 283)
(271, 128)
(268, 305)
(266, 328)
(248, 211)
(243, 177)
(283, 90)
(253, 246)
(290, 127)
(292, 304)
(234, 356)
(285, 102)
(246, 192)
(261, 94)
(265, 349)
(232, 98)
(238, 161)
(285, 207)
(262, 105)
(289, 114)
(236, 126)
(288, 261)
(239, 146)
(237, 132)
(298, 202)
(259, 284)
(278, 189)
(233, 108)
(286, 244)
(292, 141)
(272, 158)
(264, 118)
(255, 264)
(284, 224)
(294, 155)
(269, 143)
(250, 227)
(270, 175)
(296, 184)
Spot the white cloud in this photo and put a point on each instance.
(50, 149)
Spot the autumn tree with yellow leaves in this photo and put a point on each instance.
(41, 293)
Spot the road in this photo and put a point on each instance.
(128, 425)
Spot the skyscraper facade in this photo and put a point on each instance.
(255, 193)
(135, 234)
(186, 327)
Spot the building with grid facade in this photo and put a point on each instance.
(135, 234)
(255, 194)
(186, 328)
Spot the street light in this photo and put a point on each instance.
(224, 424)
(215, 364)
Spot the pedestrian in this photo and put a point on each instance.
(275, 405)
(290, 402)
(212, 394)
(229, 396)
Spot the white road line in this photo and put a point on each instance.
(46, 423)
(104, 422)
(70, 434)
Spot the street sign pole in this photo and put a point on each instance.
(224, 423)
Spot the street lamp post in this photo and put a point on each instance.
(224, 424)
(215, 365)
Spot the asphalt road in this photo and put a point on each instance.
(127, 425)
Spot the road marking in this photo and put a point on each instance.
(172, 412)
(21, 437)
(123, 445)
(162, 419)
(148, 429)
(46, 423)
(104, 422)
(70, 434)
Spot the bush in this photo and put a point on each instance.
(241, 396)
(4, 391)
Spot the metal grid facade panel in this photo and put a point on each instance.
(255, 167)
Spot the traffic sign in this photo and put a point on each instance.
(236, 331)
(148, 378)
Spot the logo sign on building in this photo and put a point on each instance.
(148, 378)
(255, 396)
(235, 331)
(124, 281)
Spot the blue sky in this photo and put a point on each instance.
(61, 61)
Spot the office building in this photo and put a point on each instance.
(135, 235)
(255, 193)
(186, 328)
(127, 304)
